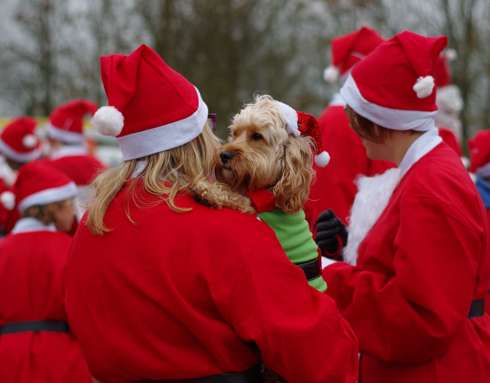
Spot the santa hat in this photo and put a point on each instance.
(304, 124)
(450, 139)
(18, 141)
(480, 153)
(38, 183)
(152, 107)
(66, 121)
(394, 86)
(348, 50)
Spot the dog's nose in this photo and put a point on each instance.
(226, 156)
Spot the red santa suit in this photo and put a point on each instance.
(415, 287)
(35, 342)
(193, 294)
(480, 167)
(32, 269)
(335, 186)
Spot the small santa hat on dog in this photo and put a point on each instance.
(152, 108)
(480, 153)
(38, 183)
(66, 121)
(18, 140)
(348, 50)
(394, 86)
(304, 124)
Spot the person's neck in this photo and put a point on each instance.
(400, 144)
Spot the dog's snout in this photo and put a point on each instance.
(226, 156)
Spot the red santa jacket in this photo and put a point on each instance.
(32, 266)
(335, 186)
(418, 270)
(185, 295)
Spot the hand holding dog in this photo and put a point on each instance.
(330, 232)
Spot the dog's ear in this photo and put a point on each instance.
(293, 188)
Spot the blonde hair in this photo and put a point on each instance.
(166, 174)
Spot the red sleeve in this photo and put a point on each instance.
(412, 314)
(271, 304)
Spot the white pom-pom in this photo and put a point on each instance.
(108, 121)
(331, 74)
(449, 99)
(424, 86)
(322, 159)
(29, 141)
(8, 200)
(451, 54)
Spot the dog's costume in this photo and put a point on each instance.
(293, 233)
(415, 294)
(35, 341)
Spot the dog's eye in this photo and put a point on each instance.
(257, 137)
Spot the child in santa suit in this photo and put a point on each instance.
(414, 289)
(68, 147)
(165, 282)
(19, 145)
(35, 340)
(480, 167)
(334, 187)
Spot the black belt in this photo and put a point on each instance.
(252, 375)
(312, 269)
(36, 325)
(477, 308)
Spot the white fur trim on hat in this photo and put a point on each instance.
(14, 155)
(448, 99)
(322, 159)
(64, 135)
(290, 117)
(29, 141)
(108, 121)
(46, 196)
(451, 54)
(331, 74)
(397, 119)
(165, 137)
(8, 200)
(424, 86)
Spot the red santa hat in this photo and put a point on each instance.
(448, 95)
(394, 86)
(66, 121)
(152, 107)
(18, 140)
(480, 153)
(300, 123)
(348, 50)
(38, 183)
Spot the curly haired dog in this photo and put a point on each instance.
(262, 154)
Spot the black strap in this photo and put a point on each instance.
(252, 375)
(36, 325)
(312, 269)
(477, 308)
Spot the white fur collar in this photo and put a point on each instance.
(27, 225)
(375, 192)
(371, 199)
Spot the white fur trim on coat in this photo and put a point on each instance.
(370, 201)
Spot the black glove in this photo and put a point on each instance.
(330, 231)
